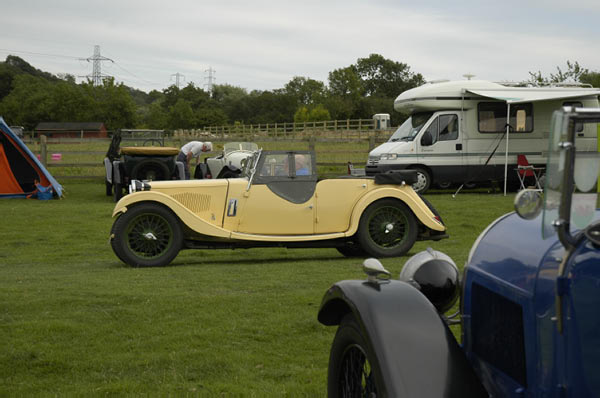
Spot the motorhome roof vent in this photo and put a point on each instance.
(438, 81)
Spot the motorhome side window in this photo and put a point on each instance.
(492, 117)
(443, 128)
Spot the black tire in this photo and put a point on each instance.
(352, 371)
(352, 250)
(226, 173)
(444, 184)
(423, 180)
(147, 235)
(109, 187)
(150, 170)
(118, 191)
(387, 228)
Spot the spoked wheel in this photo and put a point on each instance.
(147, 235)
(387, 229)
(351, 371)
(150, 171)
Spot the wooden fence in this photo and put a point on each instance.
(341, 129)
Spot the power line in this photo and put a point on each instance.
(96, 68)
(210, 79)
(34, 53)
(100, 58)
(177, 77)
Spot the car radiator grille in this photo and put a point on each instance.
(373, 160)
(197, 203)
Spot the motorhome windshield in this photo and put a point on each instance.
(411, 127)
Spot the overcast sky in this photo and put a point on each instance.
(263, 44)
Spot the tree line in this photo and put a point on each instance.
(29, 96)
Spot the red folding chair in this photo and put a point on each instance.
(524, 170)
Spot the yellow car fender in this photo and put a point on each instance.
(185, 215)
(408, 196)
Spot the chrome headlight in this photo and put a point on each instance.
(435, 275)
(137, 186)
(389, 156)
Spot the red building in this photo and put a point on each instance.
(71, 130)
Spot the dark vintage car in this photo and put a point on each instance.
(529, 305)
(144, 163)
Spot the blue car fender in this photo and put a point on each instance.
(413, 347)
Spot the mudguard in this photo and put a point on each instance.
(414, 348)
(421, 211)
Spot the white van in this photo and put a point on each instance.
(457, 131)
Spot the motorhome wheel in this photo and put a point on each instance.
(423, 180)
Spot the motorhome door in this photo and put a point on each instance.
(440, 148)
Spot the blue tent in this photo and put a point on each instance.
(20, 169)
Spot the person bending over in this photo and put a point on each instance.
(192, 149)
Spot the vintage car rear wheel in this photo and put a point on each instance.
(352, 371)
(147, 235)
(387, 228)
(150, 170)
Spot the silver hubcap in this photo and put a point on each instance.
(421, 182)
(149, 236)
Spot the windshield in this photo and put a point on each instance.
(411, 127)
(586, 169)
(239, 146)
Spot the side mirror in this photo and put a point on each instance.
(426, 139)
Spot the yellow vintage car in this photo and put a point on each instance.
(277, 201)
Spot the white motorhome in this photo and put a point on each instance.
(459, 132)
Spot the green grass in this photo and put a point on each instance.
(75, 320)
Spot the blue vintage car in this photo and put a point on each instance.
(529, 305)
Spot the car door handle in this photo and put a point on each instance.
(310, 207)
(459, 147)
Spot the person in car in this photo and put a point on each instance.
(301, 165)
(191, 150)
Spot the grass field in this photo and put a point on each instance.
(74, 320)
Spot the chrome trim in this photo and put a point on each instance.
(232, 208)
(253, 169)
